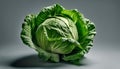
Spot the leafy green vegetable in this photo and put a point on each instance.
(58, 34)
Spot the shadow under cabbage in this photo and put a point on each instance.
(35, 61)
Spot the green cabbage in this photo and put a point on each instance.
(58, 34)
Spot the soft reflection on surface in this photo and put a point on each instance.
(34, 61)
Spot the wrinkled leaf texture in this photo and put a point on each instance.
(86, 32)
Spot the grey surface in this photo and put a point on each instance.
(18, 57)
(104, 13)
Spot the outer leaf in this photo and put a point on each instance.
(47, 56)
(73, 57)
(48, 12)
(87, 40)
(27, 27)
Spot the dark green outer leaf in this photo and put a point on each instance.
(27, 28)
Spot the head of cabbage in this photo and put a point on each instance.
(58, 34)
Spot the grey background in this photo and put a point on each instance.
(104, 13)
